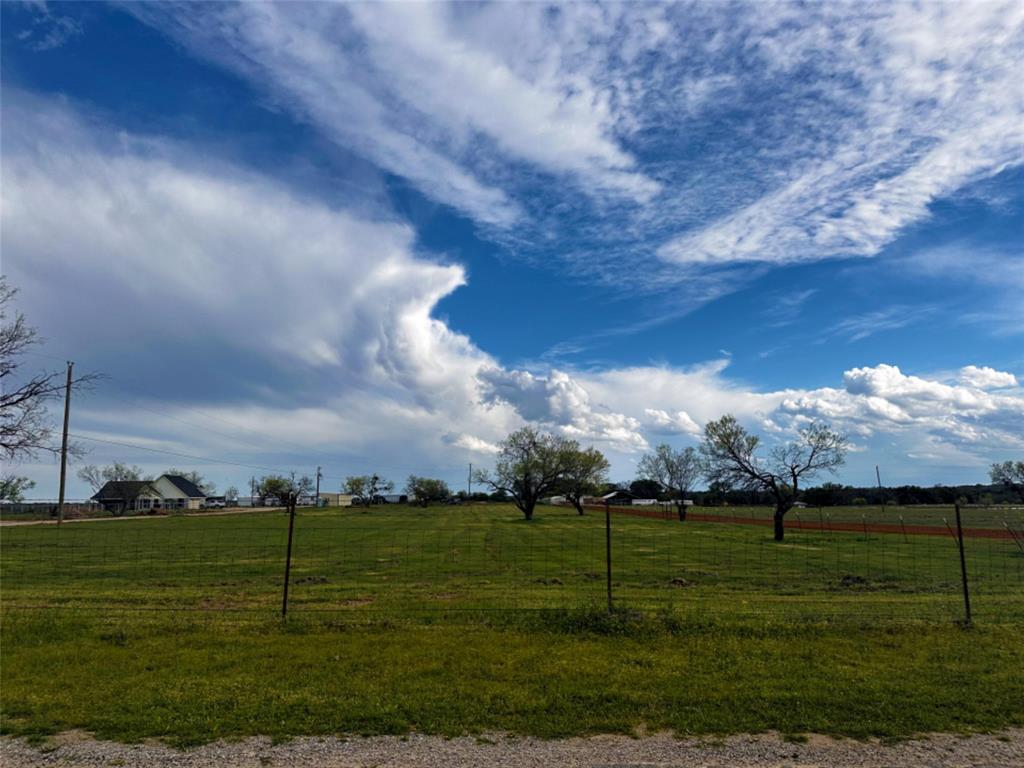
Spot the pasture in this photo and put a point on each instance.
(467, 619)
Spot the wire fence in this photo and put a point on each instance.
(408, 562)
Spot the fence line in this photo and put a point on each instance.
(452, 561)
(797, 524)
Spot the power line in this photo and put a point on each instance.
(178, 454)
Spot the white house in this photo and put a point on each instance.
(177, 492)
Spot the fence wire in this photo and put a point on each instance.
(408, 562)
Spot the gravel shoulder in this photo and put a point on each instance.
(78, 750)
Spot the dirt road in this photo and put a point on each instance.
(77, 750)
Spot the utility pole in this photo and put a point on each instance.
(64, 445)
(469, 482)
(881, 495)
(318, 476)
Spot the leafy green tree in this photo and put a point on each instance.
(644, 488)
(675, 471)
(13, 487)
(287, 490)
(426, 489)
(730, 455)
(1009, 474)
(530, 465)
(368, 488)
(584, 472)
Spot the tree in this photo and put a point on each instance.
(645, 489)
(584, 472)
(367, 487)
(675, 471)
(286, 490)
(729, 454)
(13, 487)
(231, 494)
(530, 464)
(426, 489)
(206, 486)
(25, 429)
(1009, 474)
(97, 477)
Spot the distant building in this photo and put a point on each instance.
(120, 496)
(178, 492)
(166, 492)
(336, 499)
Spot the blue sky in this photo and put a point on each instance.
(380, 236)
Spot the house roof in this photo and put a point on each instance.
(119, 490)
(186, 486)
(617, 492)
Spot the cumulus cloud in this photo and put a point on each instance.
(663, 422)
(986, 378)
(563, 403)
(884, 399)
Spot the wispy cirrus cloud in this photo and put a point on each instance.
(689, 141)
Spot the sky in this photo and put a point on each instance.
(378, 237)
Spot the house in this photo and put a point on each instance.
(166, 492)
(178, 492)
(120, 496)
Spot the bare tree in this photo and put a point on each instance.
(729, 454)
(25, 427)
(675, 471)
(529, 465)
(117, 472)
(1009, 474)
(585, 472)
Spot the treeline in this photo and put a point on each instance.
(835, 495)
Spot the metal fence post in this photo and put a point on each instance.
(288, 559)
(963, 568)
(608, 550)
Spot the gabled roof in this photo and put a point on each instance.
(186, 486)
(120, 490)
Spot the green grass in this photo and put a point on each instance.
(399, 561)
(464, 620)
(194, 682)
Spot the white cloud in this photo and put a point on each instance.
(411, 89)
(986, 378)
(678, 423)
(883, 399)
(929, 100)
(561, 402)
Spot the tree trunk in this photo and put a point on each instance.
(579, 507)
(682, 512)
(527, 509)
(780, 531)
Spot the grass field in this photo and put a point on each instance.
(451, 620)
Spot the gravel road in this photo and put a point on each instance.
(73, 750)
